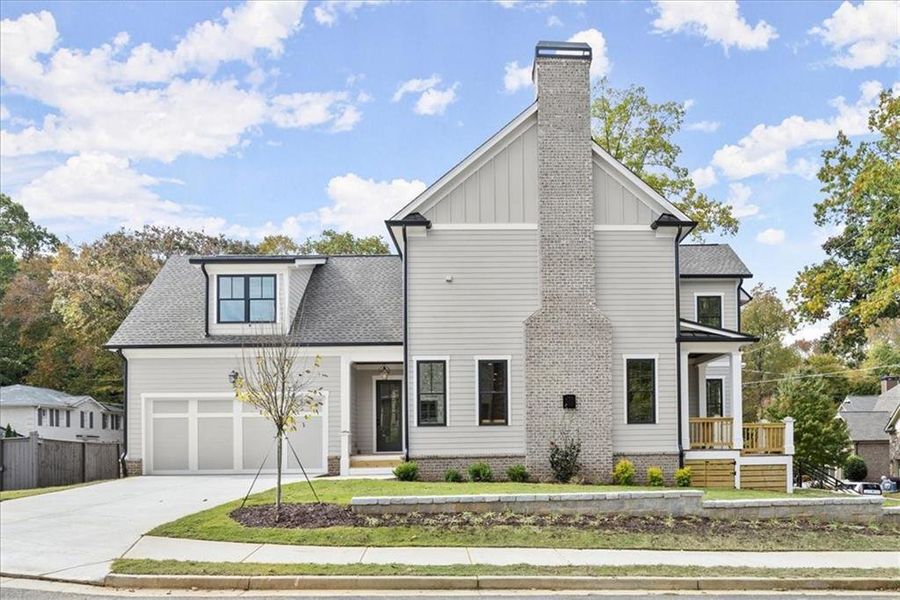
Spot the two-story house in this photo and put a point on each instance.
(55, 415)
(540, 289)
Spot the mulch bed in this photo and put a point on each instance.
(314, 516)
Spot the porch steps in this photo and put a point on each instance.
(375, 461)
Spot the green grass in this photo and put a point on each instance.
(16, 494)
(892, 499)
(216, 524)
(174, 567)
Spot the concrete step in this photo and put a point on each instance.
(375, 461)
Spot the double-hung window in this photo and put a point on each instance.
(431, 392)
(104, 421)
(246, 298)
(713, 397)
(709, 311)
(640, 391)
(493, 392)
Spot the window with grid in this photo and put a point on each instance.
(493, 392)
(709, 311)
(640, 390)
(246, 298)
(431, 392)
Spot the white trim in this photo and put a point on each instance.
(484, 226)
(721, 295)
(508, 360)
(642, 185)
(414, 421)
(625, 359)
(622, 228)
(386, 353)
(417, 203)
(708, 329)
(375, 380)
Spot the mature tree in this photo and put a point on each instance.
(859, 281)
(882, 358)
(331, 242)
(768, 359)
(20, 238)
(282, 383)
(278, 244)
(819, 438)
(639, 133)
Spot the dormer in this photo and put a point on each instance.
(254, 295)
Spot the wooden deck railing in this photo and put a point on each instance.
(711, 433)
(763, 438)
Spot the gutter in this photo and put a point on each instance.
(124, 413)
(206, 298)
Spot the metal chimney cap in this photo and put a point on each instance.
(579, 50)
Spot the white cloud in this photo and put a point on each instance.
(718, 22)
(4, 113)
(310, 109)
(771, 237)
(435, 101)
(327, 12)
(738, 197)
(863, 35)
(764, 151)
(704, 126)
(554, 21)
(360, 205)
(600, 64)
(516, 77)
(432, 100)
(704, 177)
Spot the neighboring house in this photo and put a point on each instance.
(57, 416)
(539, 285)
(869, 419)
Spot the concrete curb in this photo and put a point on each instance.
(491, 582)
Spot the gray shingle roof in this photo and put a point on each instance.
(706, 260)
(867, 416)
(28, 395)
(349, 300)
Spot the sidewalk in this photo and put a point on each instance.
(160, 548)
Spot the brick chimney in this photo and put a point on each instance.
(568, 342)
(889, 382)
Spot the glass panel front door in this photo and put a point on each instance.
(388, 416)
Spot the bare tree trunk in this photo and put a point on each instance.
(278, 477)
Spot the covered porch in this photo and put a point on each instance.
(718, 443)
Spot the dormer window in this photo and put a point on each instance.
(246, 298)
(709, 311)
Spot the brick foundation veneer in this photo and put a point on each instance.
(432, 468)
(667, 462)
(334, 465)
(133, 468)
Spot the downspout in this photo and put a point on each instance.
(405, 258)
(206, 302)
(124, 412)
(740, 286)
(678, 343)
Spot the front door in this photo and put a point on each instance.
(388, 415)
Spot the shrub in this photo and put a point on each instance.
(623, 472)
(480, 471)
(518, 473)
(655, 476)
(453, 476)
(407, 471)
(683, 477)
(564, 459)
(855, 468)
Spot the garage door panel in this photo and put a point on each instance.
(307, 442)
(170, 444)
(258, 436)
(215, 443)
(165, 407)
(215, 406)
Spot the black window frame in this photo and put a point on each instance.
(482, 422)
(246, 298)
(68, 419)
(82, 418)
(419, 392)
(721, 382)
(90, 419)
(700, 316)
(104, 421)
(40, 417)
(629, 392)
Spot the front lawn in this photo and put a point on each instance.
(660, 533)
(175, 567)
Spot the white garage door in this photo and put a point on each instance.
(215, 434)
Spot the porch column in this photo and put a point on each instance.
(345, 415)
(685, 403)
(737, 400)
(701, 389)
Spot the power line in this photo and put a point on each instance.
(811, 375)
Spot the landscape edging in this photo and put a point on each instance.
(493, 582)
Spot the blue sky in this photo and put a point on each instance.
(291, 117)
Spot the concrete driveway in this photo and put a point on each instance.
(75, 534)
